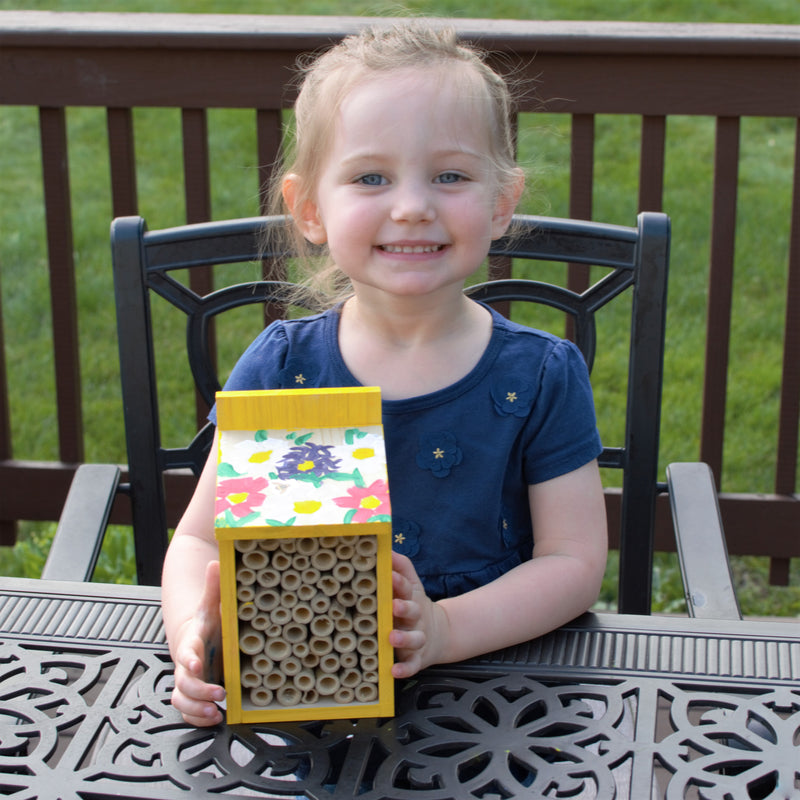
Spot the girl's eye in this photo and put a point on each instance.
(372, 179)
(449, 177)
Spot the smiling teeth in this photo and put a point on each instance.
(412, 249)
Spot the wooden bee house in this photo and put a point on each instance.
(303, 523)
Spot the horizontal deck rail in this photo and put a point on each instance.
(194, 63)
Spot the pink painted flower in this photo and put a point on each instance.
(240, 495)
(366, 501)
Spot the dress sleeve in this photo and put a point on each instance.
(562, 427)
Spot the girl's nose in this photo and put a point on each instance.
(413, 203)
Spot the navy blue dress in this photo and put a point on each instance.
(460, 459)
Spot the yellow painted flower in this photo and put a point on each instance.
(307, 506)
(261, 457)
(363, 452)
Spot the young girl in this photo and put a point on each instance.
(404, 170)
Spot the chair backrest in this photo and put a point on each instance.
(162, 261)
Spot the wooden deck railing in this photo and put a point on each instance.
(194, 63)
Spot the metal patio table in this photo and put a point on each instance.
(609, 706)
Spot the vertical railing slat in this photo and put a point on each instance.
(197, 188)
(122, 157)
(788, 418)
(720, 292)
(63, 296)
(651, 163)
(8, 528)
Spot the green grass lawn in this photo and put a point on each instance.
(762, 248)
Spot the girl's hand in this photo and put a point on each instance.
(421, 626)
(197, 658)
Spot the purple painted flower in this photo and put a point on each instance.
(308, 459)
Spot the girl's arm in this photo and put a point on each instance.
(561, 581)
(190, 604)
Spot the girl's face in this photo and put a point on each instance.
(408, 200)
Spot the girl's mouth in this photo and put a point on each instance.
(409, 249)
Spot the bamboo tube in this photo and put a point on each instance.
(347, 597)
(310, 696)
(366, 692)
(251, 641)
(343, 624)
(307, 545)
(261, 696)
(328, 542)
(311, 660)
(245, 545)
(281, 615)
(288, 545)
(328, 585)
(302, 613)
(291, 666)
(250, 677)
(370, 677)
(329, 663)
(300, 561)
(262, 663)
(261, 621)
(363, 563)
(255, 559)
(351, 678)
(277, 649)
(274, 631)
(327, 684)
(320, 603)
(304, 680)
(367, 645)
(365, 625)
(321, 626)
(290, 580)
(274, 680)
(246, 611)
(367, 546)
(268, 545)
(306, 592)
(267, 599)
(320, 645)
(344, 642)
(289, 600)
(337, 610)
(281, 560)
(343, 695)
(323, 560)
(288, 695)
(349, 660)
(245, 576)
(310, 575)
(245, 593)
(365, 583)
(343, 572)
(300, 649)
(366, 604)
(268, 577)
(345, 551)
(369, 663)
(295, 632)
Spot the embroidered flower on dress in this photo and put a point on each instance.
(297, 375)
(405, 536)
(439, 452)
(512, 396)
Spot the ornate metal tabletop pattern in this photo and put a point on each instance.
(92, 719)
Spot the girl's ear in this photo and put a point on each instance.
(305, 213)
(506, 203)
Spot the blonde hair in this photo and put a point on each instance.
(326, 81)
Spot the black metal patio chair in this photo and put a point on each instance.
(636, 264)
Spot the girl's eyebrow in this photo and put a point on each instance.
(373, 156)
